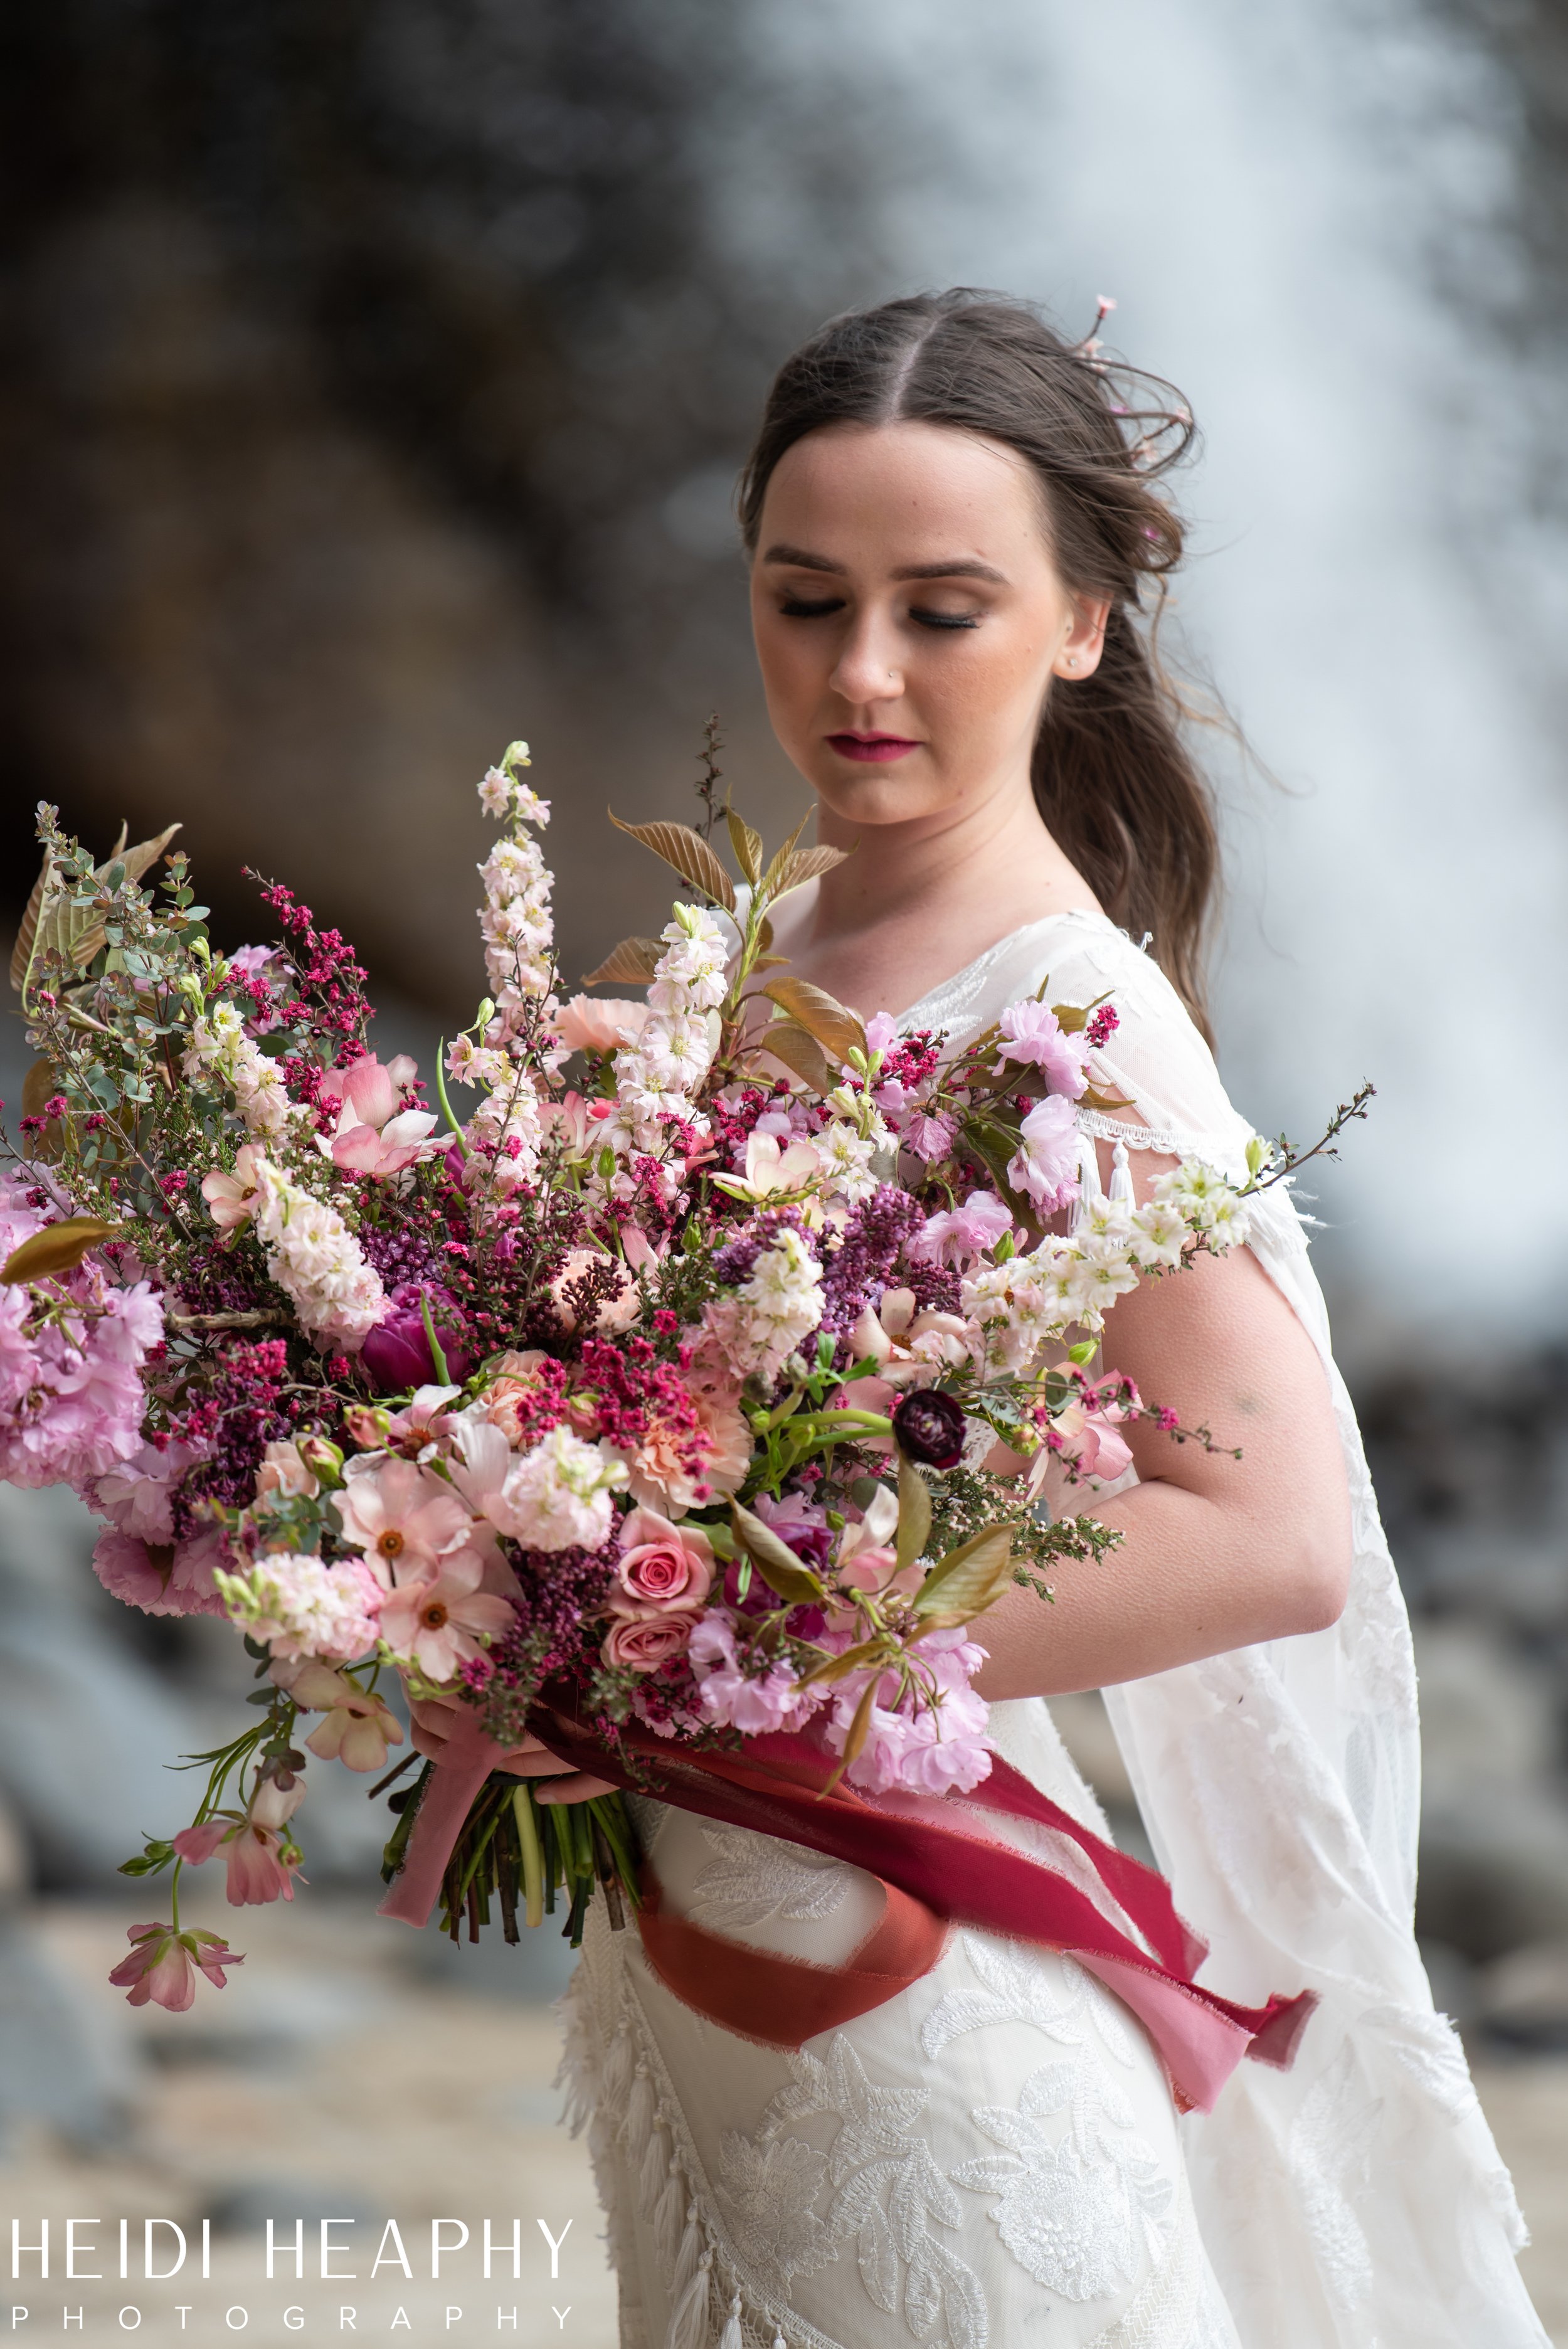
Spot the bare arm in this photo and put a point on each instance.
(1216, 1553)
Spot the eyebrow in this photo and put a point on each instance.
(962, 567)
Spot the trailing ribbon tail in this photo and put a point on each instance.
(467, 1761)
(948, 1866)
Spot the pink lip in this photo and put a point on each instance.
(872, 749)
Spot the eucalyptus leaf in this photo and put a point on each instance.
(913, 1514)
(775, 1561)
(967, 1581)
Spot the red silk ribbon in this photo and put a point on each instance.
(942, 1855)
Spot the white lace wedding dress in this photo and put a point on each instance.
(993, 2159)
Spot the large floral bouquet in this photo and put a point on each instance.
(696, 1384)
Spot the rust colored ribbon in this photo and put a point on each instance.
(1114, 1915)
(779, 2001)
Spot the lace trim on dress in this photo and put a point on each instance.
(1105, 1128)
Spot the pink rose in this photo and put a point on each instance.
(661, 1567)
(642, 1643)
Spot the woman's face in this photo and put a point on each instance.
(909, 619)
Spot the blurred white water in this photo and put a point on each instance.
(1302, 211)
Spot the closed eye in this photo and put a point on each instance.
(944, 619)
(795, 607)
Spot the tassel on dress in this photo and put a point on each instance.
(689, 2255)
(688, 2322)
(666, 2225)
(640, 2108)
(651, 2175)
(617, 2078)
(732, 2337)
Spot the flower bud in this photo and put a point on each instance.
(323, 1458)
(928, 1427)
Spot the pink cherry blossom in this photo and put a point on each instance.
(727, 1696)
(642, 1643)
(440, 1624)
(1035, 1036)
(145, 1577)
(958, 1234)
(1046, 1168)
(136, 1494)
(404, 1518)
(661, 1567)
(163, 1965)
(882, 1032)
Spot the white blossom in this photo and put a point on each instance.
(220, 1047)
(557, 1496)
(316, 1262)
(300, 1606)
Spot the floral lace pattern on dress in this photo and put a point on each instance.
(753, 1878)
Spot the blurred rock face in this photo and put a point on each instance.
(381, 376)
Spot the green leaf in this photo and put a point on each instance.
(775, 1561)
(967, 1581)
(913, 1513)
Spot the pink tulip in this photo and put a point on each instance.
(377, 1133)
(163, 1964)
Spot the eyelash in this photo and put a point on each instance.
(794, 609)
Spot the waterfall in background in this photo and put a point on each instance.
(1303, 214)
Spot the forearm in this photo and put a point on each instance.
(1189, 1578)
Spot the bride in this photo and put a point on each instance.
(951, 516)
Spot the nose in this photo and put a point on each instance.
(869, 667)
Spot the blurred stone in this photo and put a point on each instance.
(1453, 1981)
(58, 2062)
(1523, 1999)
(245, 2208)
(85, 1727)
(1488, 1718)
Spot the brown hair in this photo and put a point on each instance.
(1114, 781)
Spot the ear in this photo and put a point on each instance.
(1078, 655)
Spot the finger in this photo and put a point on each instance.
(431, 1745)
(521, 1763)
(578, 1788)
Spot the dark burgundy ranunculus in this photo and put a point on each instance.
(928, 1426)
(396, 1353)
